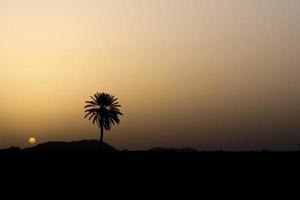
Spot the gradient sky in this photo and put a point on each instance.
(209, 74)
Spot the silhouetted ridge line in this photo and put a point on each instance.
(76, 146)
(161, 149)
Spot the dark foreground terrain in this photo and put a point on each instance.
(151, 158)
(72, 170)
(86, 154)
(77, 160)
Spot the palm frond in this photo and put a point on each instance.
(103, 109)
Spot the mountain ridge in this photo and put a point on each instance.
(81, 146)
(84, 146)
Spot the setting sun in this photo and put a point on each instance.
(32, 140)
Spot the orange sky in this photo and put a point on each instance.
(208, 74)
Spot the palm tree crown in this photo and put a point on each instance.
(104, 111)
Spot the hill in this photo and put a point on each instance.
(161, 149)
(76, 146)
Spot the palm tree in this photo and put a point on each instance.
(104, 111)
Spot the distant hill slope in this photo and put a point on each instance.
(161, 149)
(11, 150)
(77, 146)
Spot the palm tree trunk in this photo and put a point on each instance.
(101, 140)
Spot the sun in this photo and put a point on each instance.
(32, 140)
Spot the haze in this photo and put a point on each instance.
(208, 74)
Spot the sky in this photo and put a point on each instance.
(208, 74)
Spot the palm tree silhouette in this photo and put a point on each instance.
(104, 111)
